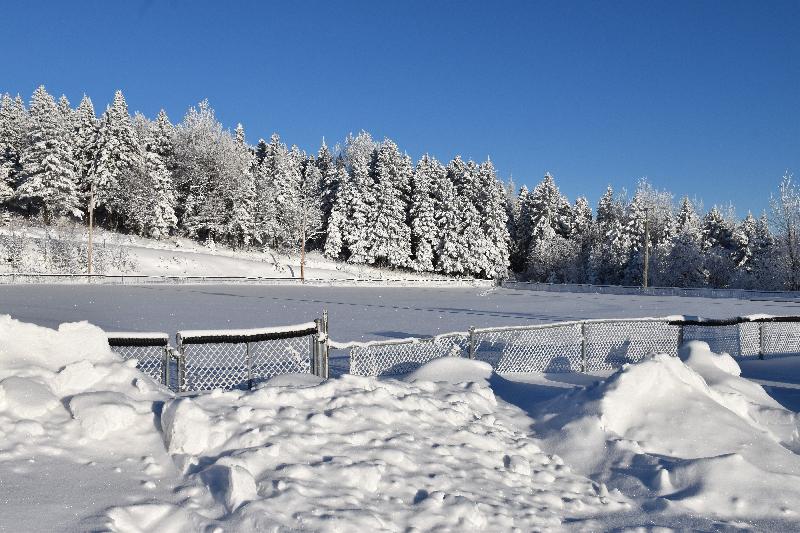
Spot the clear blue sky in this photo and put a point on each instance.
(701, 97)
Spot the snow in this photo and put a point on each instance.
(252, 332)
(688, 434)
(89, 443)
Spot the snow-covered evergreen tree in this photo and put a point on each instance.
(491, 206)
(389, 241)
(48, 182)
(13, 136)
(452, 248)
(337, 220)
(549, 222)
(610, 250)
(685, 263)
(118, 162)
(424, 233)
(359, 196)
(85, 145)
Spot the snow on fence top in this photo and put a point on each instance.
(135, 338)
(235, 336)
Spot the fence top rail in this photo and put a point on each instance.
(577, 323)
(388, 342)
(135, 338)
(236, 336)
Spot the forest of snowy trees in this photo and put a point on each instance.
(366, 202)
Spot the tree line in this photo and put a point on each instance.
(367, 202)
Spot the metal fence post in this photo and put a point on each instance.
(315, 366)
(165, 365)
(249, 366)
(325, 347)
(472, 342)
(181, 368)
(583, 346)
(760, 340)
(680, 339)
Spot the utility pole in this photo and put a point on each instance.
(91, 226)
(646, 246)
(303, 250)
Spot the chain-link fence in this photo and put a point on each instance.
(237, 359)
(390, 358)
(227, 359)
(230, 359)
(581, 346)
(151, 351)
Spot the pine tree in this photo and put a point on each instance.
(334, 239)
(452, 247)
(522, 231)
(359, 196)
(548, 212)
(424, 233)
(117, 163)
(85, 144)
(685, 263)
(241, 228)
(390, 242)
(491, 205)
(464, 177)
(48, 168)
(610, 250)
(13, 136)
(330, 182)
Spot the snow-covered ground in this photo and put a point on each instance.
(356, 313)
(178, 256)
(89, 443)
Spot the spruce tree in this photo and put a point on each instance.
(13, 135)
(424, 233)
(48, 167)
(118, 162)
(390, 236)
(359, 196)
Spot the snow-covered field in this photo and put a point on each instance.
(89, 443)
(356, 313)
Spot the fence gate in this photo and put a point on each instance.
(236, 359)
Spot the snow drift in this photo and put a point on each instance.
(87, 442)
(687, 431)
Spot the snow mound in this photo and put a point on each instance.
(73, 414)
(687, 431)
(356, 454)
(452, 370)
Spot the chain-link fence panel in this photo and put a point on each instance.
(149, 359)
(215, 366)
(749, 340)
(554, 348)
(780, 338)
(610, 345)
(393, 358)
(720, 338)
(281, 356)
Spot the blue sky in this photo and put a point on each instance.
(703, 98)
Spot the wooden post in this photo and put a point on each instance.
(91, 227)
(303, 250)
(646, 246)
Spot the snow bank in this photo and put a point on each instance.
(355, 454)
(73, 414)
(687, 431)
